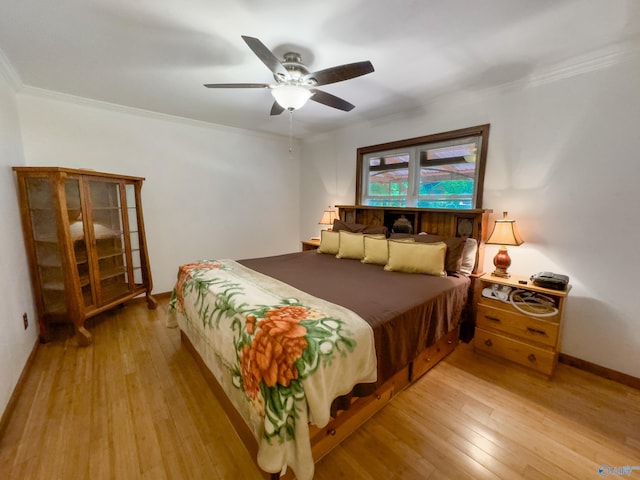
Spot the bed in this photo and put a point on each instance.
(302, 348)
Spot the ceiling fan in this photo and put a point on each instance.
(294, 83)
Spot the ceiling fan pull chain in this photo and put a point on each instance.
(290, 131)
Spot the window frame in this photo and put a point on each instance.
(413, 146)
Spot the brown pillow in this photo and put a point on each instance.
(358, 227)
(455, 247)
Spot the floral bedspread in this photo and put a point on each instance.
(280, 354)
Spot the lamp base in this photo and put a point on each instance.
(502, 261)
(500, 273)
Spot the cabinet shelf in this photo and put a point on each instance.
(100, 273)
(115, 272)
(103, 255)
(56, 286)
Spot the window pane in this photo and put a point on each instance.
(389, 176)
(447, 176)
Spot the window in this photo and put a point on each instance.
(442, 171)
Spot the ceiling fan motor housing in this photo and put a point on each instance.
(293, 63)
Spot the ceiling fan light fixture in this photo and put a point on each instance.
(291, 97)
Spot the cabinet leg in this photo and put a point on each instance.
(83, 336)
(152, 303)
(45, 333)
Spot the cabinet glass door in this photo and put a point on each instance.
(42, 214)
(108, 228)
(78, 239)
(132, 213)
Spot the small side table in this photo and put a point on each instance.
(311, 244)
(503, 331)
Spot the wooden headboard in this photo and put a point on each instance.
(446, 223)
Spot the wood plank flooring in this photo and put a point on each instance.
(134, 406)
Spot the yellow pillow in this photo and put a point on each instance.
(352, 244)
(329, 242)
(417, 258)
(376, 250)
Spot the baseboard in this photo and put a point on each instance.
(13, 400)
(600, 371)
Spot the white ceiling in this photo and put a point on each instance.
(156, 54)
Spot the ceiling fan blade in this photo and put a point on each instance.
(237, 85)
(266, 56)
(331, 100)
(340, 73)
(276, 109)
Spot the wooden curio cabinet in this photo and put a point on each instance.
(85, 240)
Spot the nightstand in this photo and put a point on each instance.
(531, 338)
(310, 244)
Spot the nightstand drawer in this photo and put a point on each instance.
(530, 356)
(507, 306)
(529, 328)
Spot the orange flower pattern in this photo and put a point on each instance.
(278, 343)
(185, 273)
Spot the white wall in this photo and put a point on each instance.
(210, 191)
(563, 160)
(16, 298)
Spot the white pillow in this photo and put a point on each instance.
(469, 256)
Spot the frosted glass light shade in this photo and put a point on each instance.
(291, 97)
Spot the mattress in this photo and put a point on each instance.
(408, 312)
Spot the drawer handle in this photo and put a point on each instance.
(531, 358)
(331, 432)
(535, 330)
(493, 319)
(488, 342)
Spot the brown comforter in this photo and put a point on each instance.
(408, 312)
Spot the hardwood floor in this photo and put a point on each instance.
(134, 405)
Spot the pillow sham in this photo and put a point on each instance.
(469, 256)
(417, 257)
(329, 242)
(376, 250)
(352, 244)
(455, 246)
(339, 225)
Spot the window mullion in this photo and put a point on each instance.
(414, 178)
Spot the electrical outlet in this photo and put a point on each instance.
(25, 320)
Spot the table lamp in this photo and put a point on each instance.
(504, 234)
(328, 216)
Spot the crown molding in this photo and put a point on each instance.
(114, 107)
(591, 62)
(9, 72)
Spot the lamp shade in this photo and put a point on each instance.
(505, 233)
(291, 97)
(328, 216)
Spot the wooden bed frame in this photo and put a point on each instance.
(324, 439)
(446, 223)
